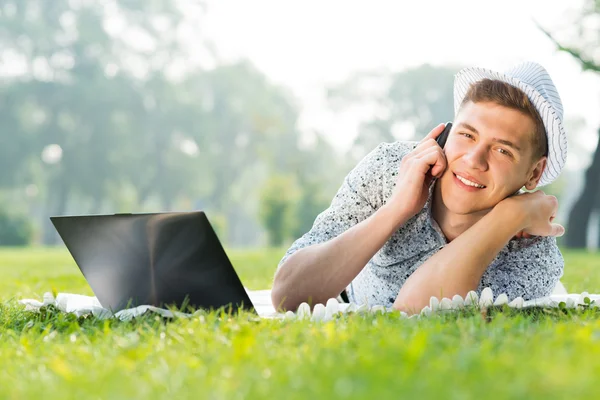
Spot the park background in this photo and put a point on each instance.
(255, 111)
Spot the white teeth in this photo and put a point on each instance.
(469, 183)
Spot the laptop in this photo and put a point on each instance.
(161, 259)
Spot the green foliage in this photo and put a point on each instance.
(582, 32)
(219, 224)
(278, 201)
(319, 175)
(15, 229)
(311, 203)
(408, 103)
(134, 135)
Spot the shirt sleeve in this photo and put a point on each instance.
(358, 198)
(526, 267)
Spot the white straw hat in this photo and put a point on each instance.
(535, 81)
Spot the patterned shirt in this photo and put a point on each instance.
(526, 267)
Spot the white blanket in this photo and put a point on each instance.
(85, 305)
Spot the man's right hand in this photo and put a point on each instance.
(417, 170)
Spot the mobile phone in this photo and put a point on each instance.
(444, 135)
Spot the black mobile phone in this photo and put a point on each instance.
(444, 135)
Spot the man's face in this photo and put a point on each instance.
(489, 145)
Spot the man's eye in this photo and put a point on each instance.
(502, 151)
(467, 135)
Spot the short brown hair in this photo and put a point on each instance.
(509, 96)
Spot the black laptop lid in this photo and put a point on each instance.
(154, 259)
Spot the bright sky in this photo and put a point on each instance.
(310, 44)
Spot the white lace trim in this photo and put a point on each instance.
(85, 305)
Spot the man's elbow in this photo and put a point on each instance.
(408, 305)
(280, 298)
(276, 297)
(280, 291)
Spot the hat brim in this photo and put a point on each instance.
(555, 132)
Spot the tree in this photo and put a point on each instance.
(106, 89)
(582, 209)
(278, 197)
(404, 105)
(245, 127)
(320, 174)
(584, 49)
(74, 87)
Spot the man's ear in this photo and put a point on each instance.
(535, 174)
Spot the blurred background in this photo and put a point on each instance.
(254, 111)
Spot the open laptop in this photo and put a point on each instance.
(161, 259)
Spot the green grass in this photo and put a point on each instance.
(504, 355)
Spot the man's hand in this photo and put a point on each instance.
(452, 270)
(417, 170)
(536, 211)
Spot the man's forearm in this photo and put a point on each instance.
(317, 273)
(459, 266)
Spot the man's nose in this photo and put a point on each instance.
(476, 158)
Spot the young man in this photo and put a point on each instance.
(413, 220)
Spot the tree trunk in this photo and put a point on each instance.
(58, 206)
(579, 216)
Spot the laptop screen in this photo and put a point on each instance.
(162, 259)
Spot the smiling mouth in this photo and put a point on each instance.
(469, 183)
